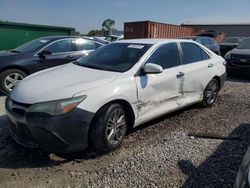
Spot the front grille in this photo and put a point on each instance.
(240, 60)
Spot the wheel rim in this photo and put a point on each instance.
(212, 91)
(12, 80)
(116, 127)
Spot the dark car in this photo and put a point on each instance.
(39, 54)
(230, 43)
(209, 42)
(238, 60)
(243, 176)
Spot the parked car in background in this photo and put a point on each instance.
(238, 59)
(243, 176)
(113, 38)
(229, 43)
(98, 39)
(209, 42)
(40, 54)
(121, 85)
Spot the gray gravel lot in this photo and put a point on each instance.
(160, 153)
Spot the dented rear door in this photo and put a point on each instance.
(196, 71)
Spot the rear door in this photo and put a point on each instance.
(159, 93)
(196, 71)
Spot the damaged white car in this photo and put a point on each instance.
(124, 84)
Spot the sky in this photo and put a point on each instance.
(85, 15)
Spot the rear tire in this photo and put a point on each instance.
(10, 78)
(109, 128)
(210, 93)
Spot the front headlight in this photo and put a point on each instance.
(227, 56)
(57, 107)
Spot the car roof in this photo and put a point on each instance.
(59, 37)
(196, 37)
(151, 41)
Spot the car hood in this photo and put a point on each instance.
(60, 83)
(240, 51)
(8, 55)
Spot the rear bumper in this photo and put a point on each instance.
(64, 133)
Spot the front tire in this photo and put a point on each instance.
(210, 93)
(109, 128)
(10, 78)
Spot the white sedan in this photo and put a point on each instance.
(124, 84)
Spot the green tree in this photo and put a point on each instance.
(77, 33)
(96, 32)
(108, 25)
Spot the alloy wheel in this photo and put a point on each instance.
(116, 127)
(12, 80)
(212, 91)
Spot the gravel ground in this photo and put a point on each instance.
(161, 153)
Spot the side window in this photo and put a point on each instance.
(205, 41)
(199, 40)
(192, 53)
(83, 44)
(212, 41)
(98, 45)
(204, 55)
(60, 46)
(167, 56)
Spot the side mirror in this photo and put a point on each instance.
(44, 53)
(151, 68)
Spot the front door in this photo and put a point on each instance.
(159, 93)
(61, 53)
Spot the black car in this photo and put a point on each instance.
(238, 60)
(209, 42)
(229, 43)
(39, 54)
(243, 176)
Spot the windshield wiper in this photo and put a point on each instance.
(15, 51)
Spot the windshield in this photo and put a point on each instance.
(117, 57)
(245, 44)
(233, 40)
(32, 45)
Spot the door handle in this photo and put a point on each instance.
(180, 74)
(70, 56)
(210, 65)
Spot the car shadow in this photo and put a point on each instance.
(219, 169)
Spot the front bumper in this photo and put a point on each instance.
(235, 70)
(64, 133)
